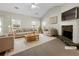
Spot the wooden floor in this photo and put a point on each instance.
(51, 48)
(21, 44)
(45, 46)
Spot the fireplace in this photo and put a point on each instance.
(67, 31)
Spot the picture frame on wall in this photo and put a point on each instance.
(53, 20)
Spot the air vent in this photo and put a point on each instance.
(16, 7)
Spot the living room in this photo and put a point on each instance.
(26, 28)
(15, 25)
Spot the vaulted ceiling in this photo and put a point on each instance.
(26, 8)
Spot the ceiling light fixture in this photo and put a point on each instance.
(34, 5)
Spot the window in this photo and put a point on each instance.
(16, 23)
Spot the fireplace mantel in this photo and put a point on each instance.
(75, 24)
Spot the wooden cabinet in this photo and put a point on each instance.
(6, 43)
(71, 14)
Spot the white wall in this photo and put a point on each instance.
(57, 11)
(25, 20)
(75, 23)
(51, 13)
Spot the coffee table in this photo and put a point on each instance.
(32, 37)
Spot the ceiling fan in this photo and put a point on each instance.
(34, 5)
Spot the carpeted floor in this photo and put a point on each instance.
(51, 48)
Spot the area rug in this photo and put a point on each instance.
(21, 44)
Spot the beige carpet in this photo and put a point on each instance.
(51, 48)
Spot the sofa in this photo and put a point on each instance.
(6, 43)
(19, 33)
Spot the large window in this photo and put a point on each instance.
(16, 23)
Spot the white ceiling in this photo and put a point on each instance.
(25, 8)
